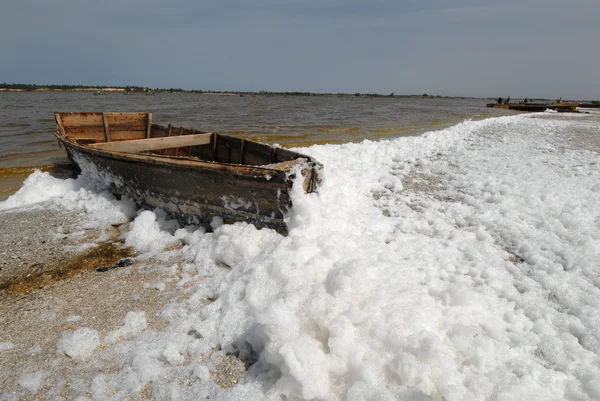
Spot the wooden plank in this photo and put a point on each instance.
(81, 119)
(105, 123)
(59, 123)
(258, 153)
(213, 142)
(177, 149)
(125, 135)
(285, 155)
(128, 116)
(86, 141)
(176, 152)
(158, 131)
(142, 145)
(148, 125)
(283, 166)
(90, 132)
(137, 122)
(170, 131)
(132, 121)
(95, 118)
(242, 151)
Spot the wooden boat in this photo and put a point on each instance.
(594, 104)
(498, 105)
(193, 175)
(536, 107)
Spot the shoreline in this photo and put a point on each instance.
(150, 91)
(42, 235)
(34, 319)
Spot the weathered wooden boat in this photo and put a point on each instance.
(536, 107)
(195, 176)
(498, 105)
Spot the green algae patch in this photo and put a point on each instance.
(104, 255)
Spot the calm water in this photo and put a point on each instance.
(27, 120)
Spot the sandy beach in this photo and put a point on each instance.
(38, 302)
(33, 243)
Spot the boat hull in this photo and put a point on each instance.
(536, 107)
(590, 105)
(532, 107)
(192, 194)
(497, 105)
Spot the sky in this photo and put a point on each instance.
(517, 48)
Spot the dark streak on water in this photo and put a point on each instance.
(27, 122)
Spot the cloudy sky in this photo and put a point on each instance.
(518, 48)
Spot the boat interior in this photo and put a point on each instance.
(136, 133)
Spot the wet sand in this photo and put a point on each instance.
(33, 241)
(32, 319)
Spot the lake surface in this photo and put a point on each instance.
(27, 120)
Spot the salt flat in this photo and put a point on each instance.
(460, 264)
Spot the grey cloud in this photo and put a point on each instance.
(528, 48)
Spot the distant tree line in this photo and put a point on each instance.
(35, 87)
(133, 88)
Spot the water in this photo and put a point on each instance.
(27, 121)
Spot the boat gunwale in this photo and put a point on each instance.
(182, 161)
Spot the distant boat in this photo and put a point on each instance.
(536, 107)
(193, 175)
(100, 93)
(590, 105)
(149, 93)
(498, 105)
